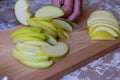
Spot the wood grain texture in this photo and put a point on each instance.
(82, 51)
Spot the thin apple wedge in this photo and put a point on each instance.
(38, 43)
(24, 30)
(103, 13)
(22, 11)
(44, 64)
(51, 40)
(37, 35)
(43, 19)
(109, 30)
(58, 50)
(63, 24)
(47, 29)
(20, 39)
(62, 34)
(28, 48)
(49, 12)
(25, 57)
(102, 35)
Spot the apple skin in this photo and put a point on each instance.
(49, 12)
(22, 13)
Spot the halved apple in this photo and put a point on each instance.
(43, 64)
(102, 35)
(49, 12)
(22, 11)
(25, 57)
(61, 23)
(58, 50)
(109, 30)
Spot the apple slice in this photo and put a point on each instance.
(62, 34)
(22, 11)
(61, 23)
(24, 30)
(26, 57)
(103, 13)
(58, 50)
(103, 22)
(104, 25)
(20, 39)
(37, 35)
(43, 19)
(102, 35)
(36, 23)
(51, 40)
(38, 43)
(109, 30)
(89, 21)
(44, 64)
(49, 12)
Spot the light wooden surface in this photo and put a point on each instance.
(82, 51)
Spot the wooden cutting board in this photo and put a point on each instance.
(82, 51)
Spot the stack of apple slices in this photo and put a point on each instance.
(34, 49)
(37, 45)
(103, 25)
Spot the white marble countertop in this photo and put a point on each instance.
(105, 68)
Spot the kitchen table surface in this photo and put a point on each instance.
(104, 68)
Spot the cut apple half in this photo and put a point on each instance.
(49, 12)
(109, 30)
(44, 64)
(22, 11)
(26, 57)
(58, 50)
(102, 35)
(66, 26)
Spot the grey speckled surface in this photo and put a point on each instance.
(105, 68)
